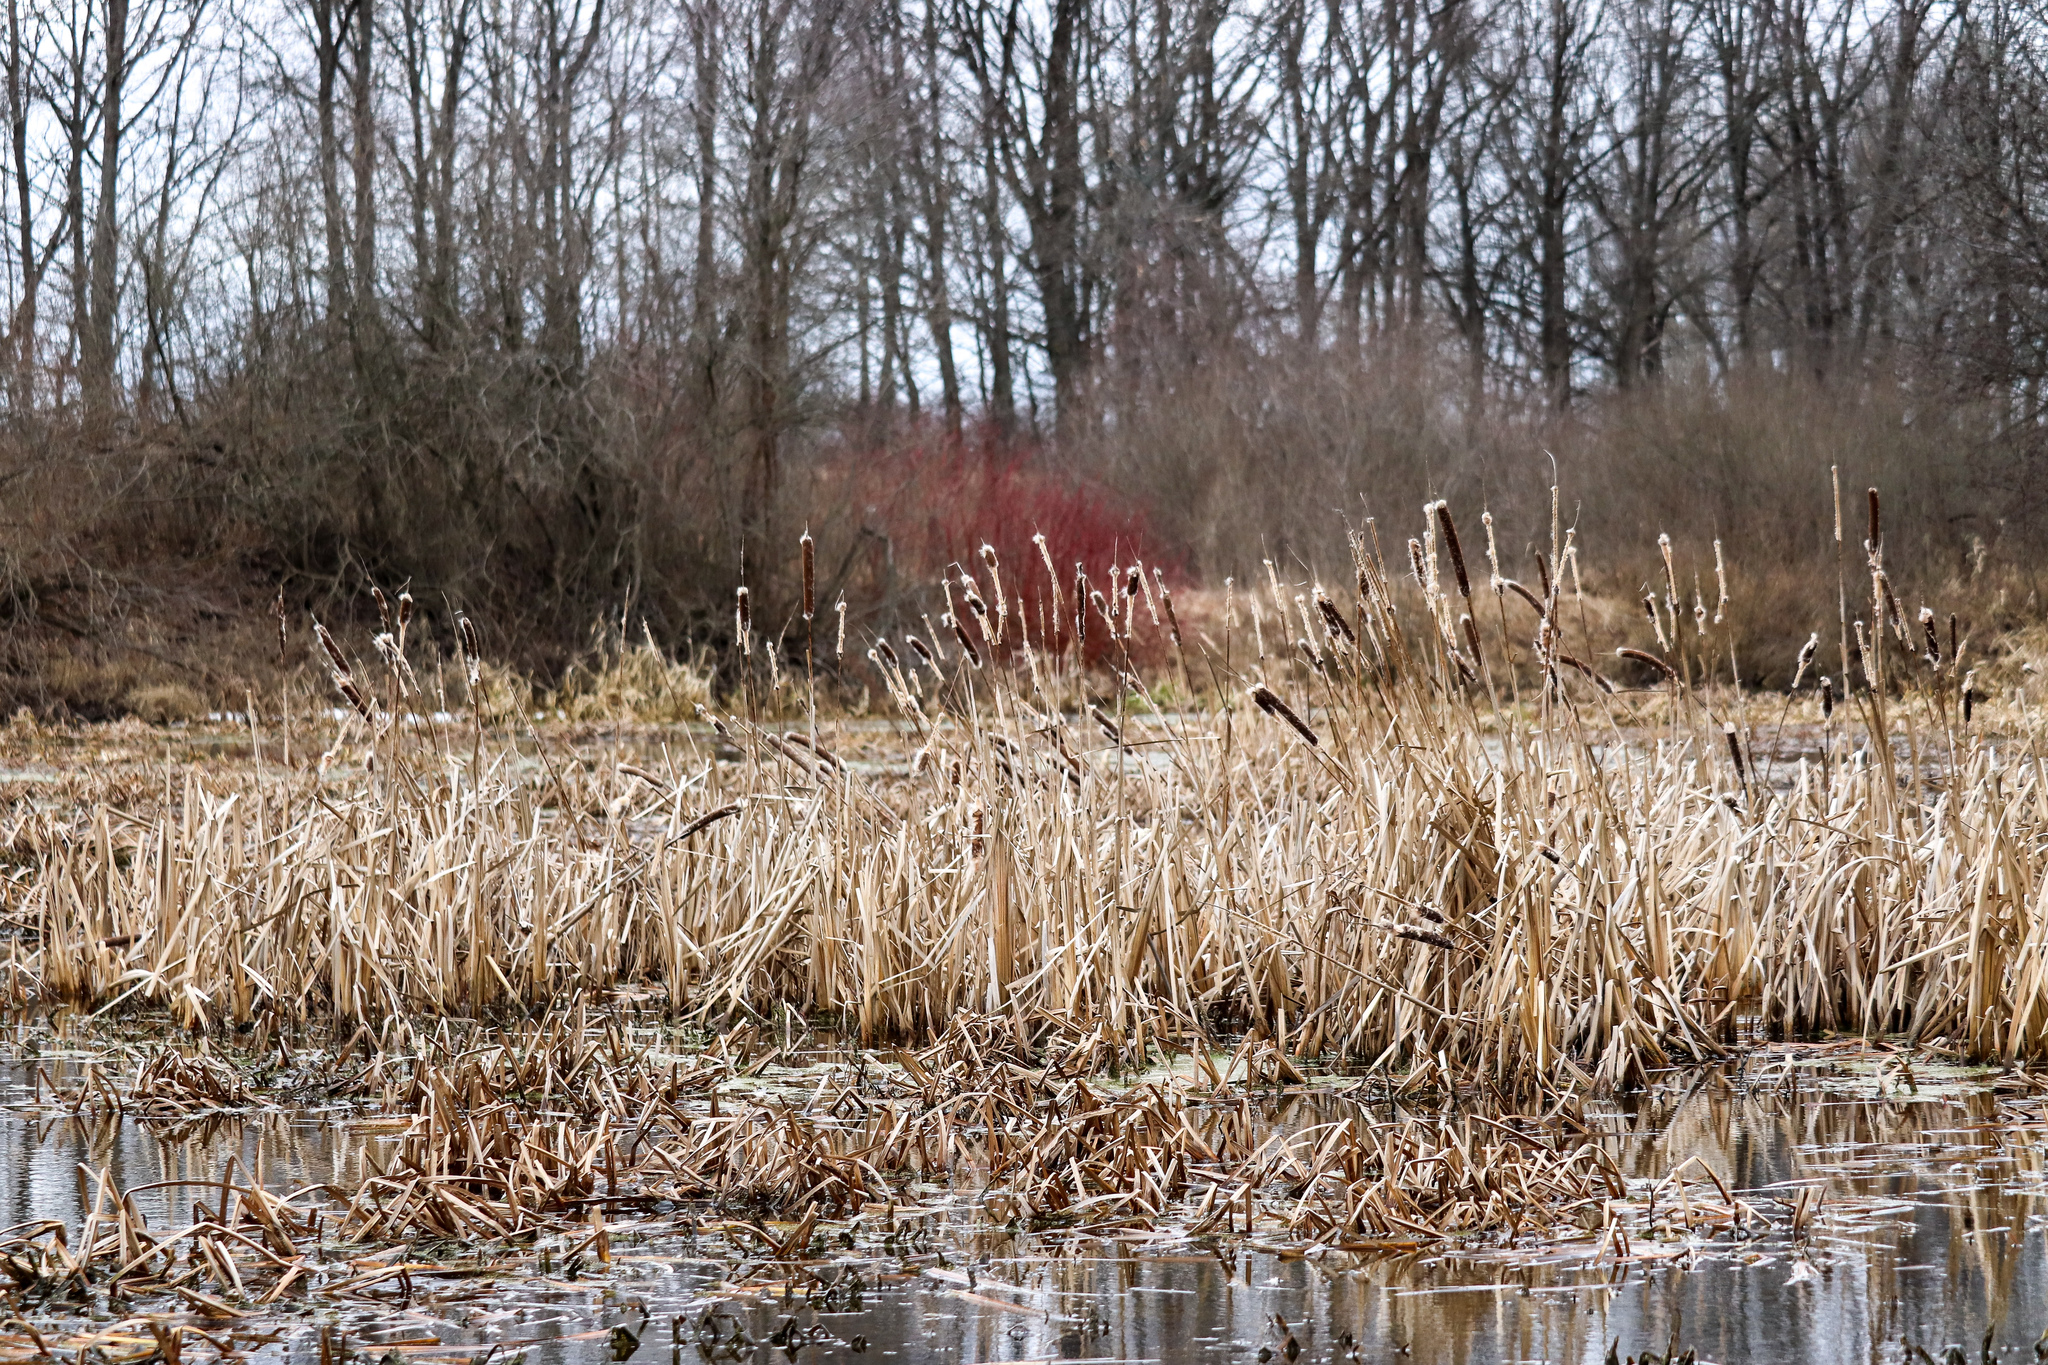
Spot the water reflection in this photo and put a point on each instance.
(1929, 1231)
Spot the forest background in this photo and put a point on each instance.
(575, 313)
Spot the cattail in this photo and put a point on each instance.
(1969, 694)
(472, 651)
(995, 578)
(1876, 526)
(937, 649)
(1571, 555)
(1443, 517)
(1415, 563)
(840, 608)
(1588, 670)
(334, 654)
(383, 608)
(743, 618)
(1110, 730)
(1492, 552)
(1863, 655)
(1806, 653)
(1955, 648)
(1151, 603)
(1721, 581)
(283, 630)
(810, 555)
(1052, 576)
(1933, 641)
(1670, 578)
(353, 696)
(1429, 587)
(1699, 611)
(924, 652)
(1644, 657)
(967, 645)
(1333, 620)
(888, 654)
(1543, 574)
(1103, 608)
(1472, 635)
(1166, 604)
(394, 659)
(1891, 606)
(1827, 697)
(1535, 604)
(1735, 751)
(1656, 621)
(1082, 592)
(1266, 700)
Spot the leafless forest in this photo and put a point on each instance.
(560, 308)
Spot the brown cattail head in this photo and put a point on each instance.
(743, 609)
(1267, 701)
(1827, 697)
(1876, 525)
(334, 654)
(1543, 574)
(1735, 751)
(1969, 694)
(472, 648)
(1933, 640)
(1110, 730)
(967, 645)
(1472, 636)
(923, 652)
(1166, 605)
(1415, 563)
(1450, 530)
(1333, 620)
(283, 631)
(1644, 657)
(1588, 670)
(888, 653)
(1955, 647)
(353, 695)
(383, 608)
(810, 557)
(404, 617)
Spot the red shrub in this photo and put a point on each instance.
(930, 501)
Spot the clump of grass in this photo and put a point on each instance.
(635, 680)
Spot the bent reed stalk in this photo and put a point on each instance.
(1385, 869)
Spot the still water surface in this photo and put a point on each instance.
(1931, 1231)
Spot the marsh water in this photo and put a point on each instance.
(1928, 1231)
